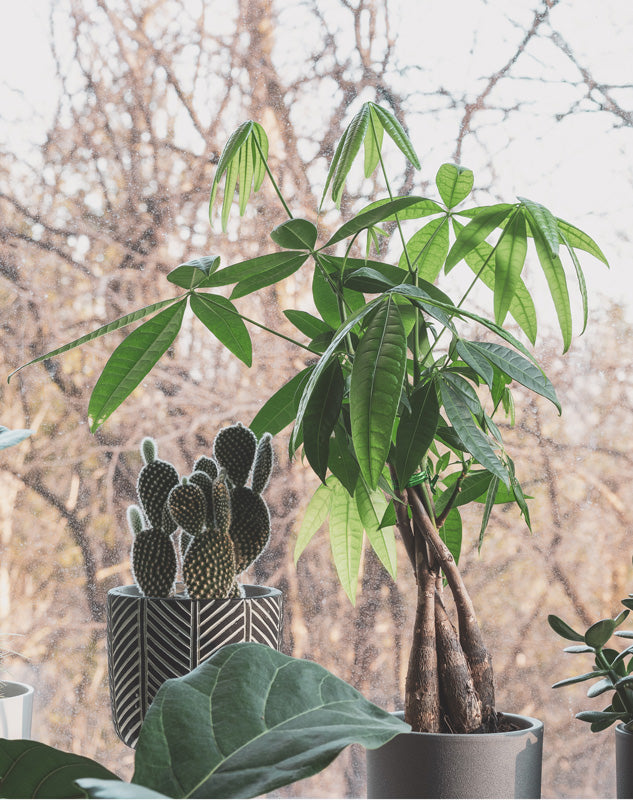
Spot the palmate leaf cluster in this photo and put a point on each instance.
(612, 671)
(407, 380)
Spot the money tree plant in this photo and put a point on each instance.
(396, 408)
(612, 671)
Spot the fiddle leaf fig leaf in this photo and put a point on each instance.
(293, 714)
(131, 362)
(454, 183)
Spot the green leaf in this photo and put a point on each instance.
(475, 360)
(518, 368)
(510, 256)
(451, 533)
(315, 515)
(605, 685)
(486, 220)
(345, 154)
(33, 769)
(375, 388)
(587, 676)
(342, 462)
(473, 488)
(94, 787)
(474, 439)
(579, 239)
(372, 507)
(115, 325)
(582, 285)
(454, 183)
(294, 718)
(579, 648)
(220, 316)
(563, 629)
(600, 633)
(295, 234)
(490, 502)
(245, 174)
(427, 249)
(556, 281)
(8, 437)
(273, 275)
(346, 538)
(545, 222)
(365, 219)
(322, 412)
(373, 143)
(600, 720)
(194, 273)
(280, 409)
(253, 267)
(131, 361)
(397, 134)
(416, 431)
(325, 297)
(308, 324)
(422, 208)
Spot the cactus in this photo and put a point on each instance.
(224, 525)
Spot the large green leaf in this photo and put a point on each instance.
(375, 388)
(8, 437)
(599, 633)
(416, 431)
(33, 769)
(321, 415)
(543, 219)
(251, 719)
(194, 273)
(280, 409)
(346, 538)
(115, 325)
(295, 234)
(132, 360)
(560, 627)
(474, 439)
(308, 324)
(509, 260)
(315, 515)
(426, 250)
(254, 267)
(486, 220)
(342, 460)
(372, 507)
(365, 219)
(269, 276)
(454, 183)
(220, 316)
(518, 368)
(325, 296)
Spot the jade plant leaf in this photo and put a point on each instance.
(33, 769)
(251, 719)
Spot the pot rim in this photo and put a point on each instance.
(621, 729)
(25, 689)
(252, 590)
(534, 725)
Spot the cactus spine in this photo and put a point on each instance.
(211, 522)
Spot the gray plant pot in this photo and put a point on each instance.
(623, 762)
(16, 710)
(459, 765)
(151, 639)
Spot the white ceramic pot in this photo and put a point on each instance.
(16, 710)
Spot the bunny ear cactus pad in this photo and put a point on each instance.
(234, 449)
(250, 525)
(153, 557)
(205, 482)
(209, 567)
(263, 465)
(188, 507)
(208, 465)
(156, 479)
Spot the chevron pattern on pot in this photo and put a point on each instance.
(153, 639)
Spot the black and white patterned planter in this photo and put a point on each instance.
(151, 639)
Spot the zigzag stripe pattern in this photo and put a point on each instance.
(153, 639)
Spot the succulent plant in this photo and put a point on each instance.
(210, 524)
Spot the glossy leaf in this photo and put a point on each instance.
(115, 325)
(427, 250)
(252, 267)
(342, 462)
(474, 439)
(600, 633)
(543, 219)
(422, 208)
(194, 273)
(346, 538)
(475, 360)
(375, 388)
(325, 298)
(371, 508)
(557, 282)
(295, 234)
(223, 320)
(454, 183)
(563, 629)
(293, 714)
(518, 368)
(509, 260)
(365, 219)
(131, 362)
(9, 437)
(481, 226)
(280, 409)
(322, 412)
(33, 769)
(416, 431)
(315, 515)
(308, 324)
(270, 276)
